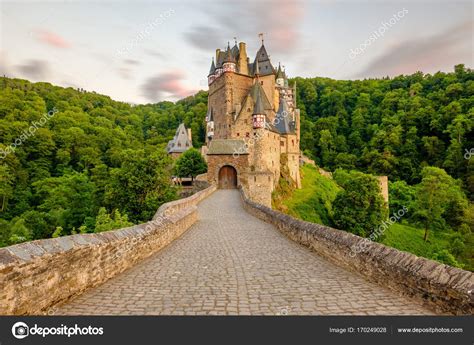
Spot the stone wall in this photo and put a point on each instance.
(443, 288)
(36, 275)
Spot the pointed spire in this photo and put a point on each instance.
(213, 68)
(258, 108)
(229, 57)
(280, 73)
(210, 115)
(282, 122)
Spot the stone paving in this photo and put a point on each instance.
(231, 263)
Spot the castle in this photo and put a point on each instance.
(182, 141)
(253, 125)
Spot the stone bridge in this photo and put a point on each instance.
(231, 262)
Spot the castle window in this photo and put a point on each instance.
(179, 144)
(238, 134)
(247, 135)
(261, 83)
(248, 109)
(255, 179)
(245, 121)
(269, 179)
(292, 142)
(282, 143)
(273, 163)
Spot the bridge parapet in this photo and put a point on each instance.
(36, 275)
(442, 288)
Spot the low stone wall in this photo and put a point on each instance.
(174, 206)
(442, 288)
(36, 275)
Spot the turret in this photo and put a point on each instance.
(219, 60)
(229, 64)
(280, 77)
(212, 73)
(258, 116)
(210, 123)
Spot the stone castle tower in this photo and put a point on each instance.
(253, 125)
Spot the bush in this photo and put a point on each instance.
(359, 208)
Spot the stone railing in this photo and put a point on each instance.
(174, 206)
(443, 288)
(36, 275)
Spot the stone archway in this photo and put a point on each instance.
(227, 177)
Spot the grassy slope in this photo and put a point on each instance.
(313, 203)
(410, 239)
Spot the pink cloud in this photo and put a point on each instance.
(169, 85)
(51, 39)
(429, 54)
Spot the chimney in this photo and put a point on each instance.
(190, 137)
(243, 67)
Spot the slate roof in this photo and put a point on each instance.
(209, 115)
(283, 123)
(258, 108)
(180, 142)
(262, 64)
(213, 68)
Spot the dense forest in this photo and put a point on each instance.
(75, 161)
(391, 126)
(417, 130)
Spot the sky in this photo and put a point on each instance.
(149, 51)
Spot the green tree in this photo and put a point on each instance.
(436, 190)
(190, 164)
(105, 221)
(141, 184)
(359, 207)
(68, 199)
(400, 194)
(18, 231)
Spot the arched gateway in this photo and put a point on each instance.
(227, 177)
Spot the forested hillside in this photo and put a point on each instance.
(418, 130)
(391, 127)
(68, 156)
(75, 161)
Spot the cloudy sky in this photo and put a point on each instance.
(147, 51)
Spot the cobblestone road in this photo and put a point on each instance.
(230, 262)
